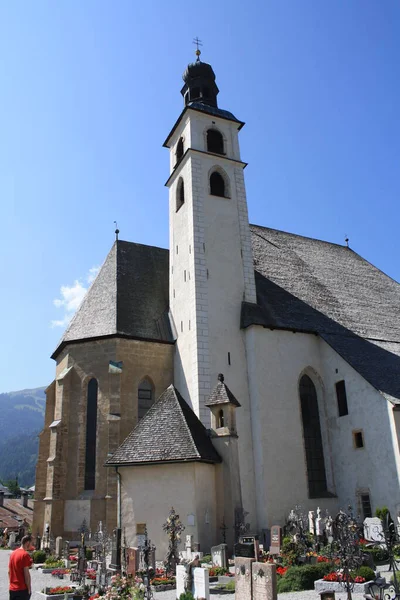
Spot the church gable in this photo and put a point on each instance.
(128, 298)
(315, 287)
(169, 432)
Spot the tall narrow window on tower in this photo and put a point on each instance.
(91, 435)
(145, 397)
(217, 184)
(312, 439)
(180, 194)
(179, 150)
(215, 141)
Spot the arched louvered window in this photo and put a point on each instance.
(215, 141)
(312, 438)
(179, 150)
(180, 194)
(217, 184)
(91, 435)
(145, 397)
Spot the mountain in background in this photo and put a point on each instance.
(21, 421)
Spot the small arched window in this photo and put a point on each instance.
(194, 93)
(215, 141)
(312, 438)
(91, 435)
(221, 420)
(179, 150)
(145, 397)
(180, 194)
(217, 184)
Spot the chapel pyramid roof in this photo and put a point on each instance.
(169, 432)
(221, 394)
(128, 298)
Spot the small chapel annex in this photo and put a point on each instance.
(244, 369)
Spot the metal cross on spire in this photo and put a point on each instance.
(198, 43)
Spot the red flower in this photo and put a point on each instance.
(281, 570)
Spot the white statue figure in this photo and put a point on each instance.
(311, 522)
(318, 522)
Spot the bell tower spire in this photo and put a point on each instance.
(199, 79)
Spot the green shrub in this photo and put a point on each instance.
(381, 512)
(186, 596)
(39, 556)
(228, 587)
(89, 554)
(298, 579)
(379, 554)
(206, 558)
(366, 572)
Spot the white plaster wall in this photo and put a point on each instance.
(374, 467)
(149, 492)
(75, 512)
(276, 361)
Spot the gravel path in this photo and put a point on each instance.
(39, 581)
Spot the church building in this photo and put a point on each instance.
(244, 370)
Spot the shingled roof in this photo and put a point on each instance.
(169, 432)
(128, 298)
(221, 394)
(309, 285)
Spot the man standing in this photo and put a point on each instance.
(18, 571)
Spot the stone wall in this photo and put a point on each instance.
(61, 464)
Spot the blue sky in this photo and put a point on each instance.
(90, 89)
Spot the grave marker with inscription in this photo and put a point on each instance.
(243, 578)
(219, 555)
(264, 581)
(276, 539)
(201, 584)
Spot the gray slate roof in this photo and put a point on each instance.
(169, 432)
(129, 297)
(309, 285)
(221, 394)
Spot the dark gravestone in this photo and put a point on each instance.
(244, 550)
(276, 540)
(116, 550)
(132, 561)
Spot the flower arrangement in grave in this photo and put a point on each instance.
(281, 571)
(173, 527)
(341, 577)
(59, 590)
(60, 573)
(123, 588)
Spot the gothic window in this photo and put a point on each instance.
(91, 431)
(312, 438)
(179, 150)
(180, 194)
(366, 506)
(221, 420)
(341, 398)
(145, 397)
(215, 141)
(217, 184)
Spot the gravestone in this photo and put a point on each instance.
(219, 555)
(243, 578)
(116, 550)
(264, 581)
(59, 546)
(201, 584)
(12, 538)
(180, 580)
(188, 547)
(276, 540)
(247, 547)
(373, 531)
(132, 560)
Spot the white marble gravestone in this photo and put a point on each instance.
(373, 531)
(201, 584)
(180, 580)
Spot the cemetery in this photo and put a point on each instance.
(330, 555)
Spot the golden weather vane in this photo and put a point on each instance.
(198, 43)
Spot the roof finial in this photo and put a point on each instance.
(346, 239)
(221, 378)
(116, 230)
(198, 51)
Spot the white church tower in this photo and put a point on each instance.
(211, 263)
